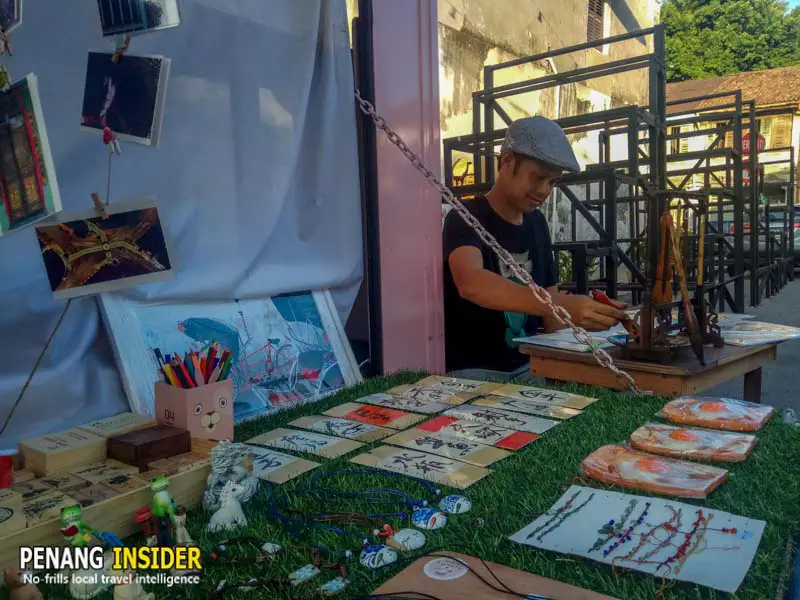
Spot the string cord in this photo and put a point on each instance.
(49, 341)
(36, 366)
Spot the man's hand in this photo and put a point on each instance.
(588, 313)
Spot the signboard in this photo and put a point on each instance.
(762, 143)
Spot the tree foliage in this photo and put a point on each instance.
(710, 38)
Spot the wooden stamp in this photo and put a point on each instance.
(502, 418)
(178, 464)
(118, 424)
(433, 394)
(375, 415)
(309, 442)
(422, 465)
(12, 520)
(205, 411)
(278, 467)
(62, 481)
(63, 451)
(97, 492)
(46, 507)
(104, 469)
(492, 435)
(527, 407)
(23, 475)
(30, 490)
(140, 448)
(440, 444)
(418, 405)
(125, 483)
(351, 430)
(539, 395)
(10, 499)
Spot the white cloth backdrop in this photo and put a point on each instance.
(256, 176)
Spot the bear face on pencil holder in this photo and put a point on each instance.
(206, 410)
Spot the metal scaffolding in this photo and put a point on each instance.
(688, 164)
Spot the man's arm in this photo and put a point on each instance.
(552, 324)
(493, 291)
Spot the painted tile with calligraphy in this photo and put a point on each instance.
(351, 430)
(491, 435)
(308, 442)
(523, 392)
(277, 467)
(457, 384)
(420, 404)
(441, 444)
(433, 394)
(422, 465)
(502, 418)
(375, 415)
(527, 407)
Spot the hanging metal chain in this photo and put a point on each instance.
(562, 316)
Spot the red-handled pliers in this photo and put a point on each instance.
(628, 323)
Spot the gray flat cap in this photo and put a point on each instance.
(543, 140)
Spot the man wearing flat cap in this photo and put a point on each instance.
(485, 306)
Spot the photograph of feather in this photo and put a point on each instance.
(127, 97)
(87, 254)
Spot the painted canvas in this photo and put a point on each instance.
(287, 350)
(134, 17)
(127, 96)
(84, 253)
(29, 188)
(664, 538)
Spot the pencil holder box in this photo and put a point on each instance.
(205, 411)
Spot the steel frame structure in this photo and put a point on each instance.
(645, 176)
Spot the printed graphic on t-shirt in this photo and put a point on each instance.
(515, 322)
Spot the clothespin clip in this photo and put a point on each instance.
(110, 140)
(5, 79)
(99, 205)
(5, 43)
(123, 42)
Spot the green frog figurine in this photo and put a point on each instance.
(163, 510)
(73, 529)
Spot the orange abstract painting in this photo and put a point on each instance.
(718, 413)
(699, 444)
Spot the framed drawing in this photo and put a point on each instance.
(287, 350)
(135, 17)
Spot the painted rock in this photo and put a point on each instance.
(428, 518)
(270, 548)
(376, 556)
(407, 540)
(455, 505)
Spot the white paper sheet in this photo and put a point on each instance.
(716, 559)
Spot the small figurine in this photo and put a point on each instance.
(75, 532)
(225, 459)
(182, 537)
(163, 509)
(12, 577)
(145, 519)
(229, 515)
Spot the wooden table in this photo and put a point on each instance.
(684, 377)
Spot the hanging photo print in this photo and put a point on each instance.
(86, 254)
(29, 188)
(126, 97)
(134, 17)
(10, 15)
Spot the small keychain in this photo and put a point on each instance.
(405, 540)
(428, 518)
(455, 505)
(123, 43)
(5, 43)
(5, 79)
(304, 574)
(110, 140)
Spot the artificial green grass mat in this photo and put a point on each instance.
(766, 486)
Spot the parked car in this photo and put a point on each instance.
(776, 227)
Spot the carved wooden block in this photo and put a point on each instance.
(142, 447)
(118, 424)
(62, 451)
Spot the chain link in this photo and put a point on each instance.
(601, 356)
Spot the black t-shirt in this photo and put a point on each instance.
(477, 337)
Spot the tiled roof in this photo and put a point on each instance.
(768, 88)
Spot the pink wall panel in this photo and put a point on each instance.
(406, 56)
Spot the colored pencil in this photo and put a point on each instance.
(197, 368)
(170, 376)
(182, 367)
